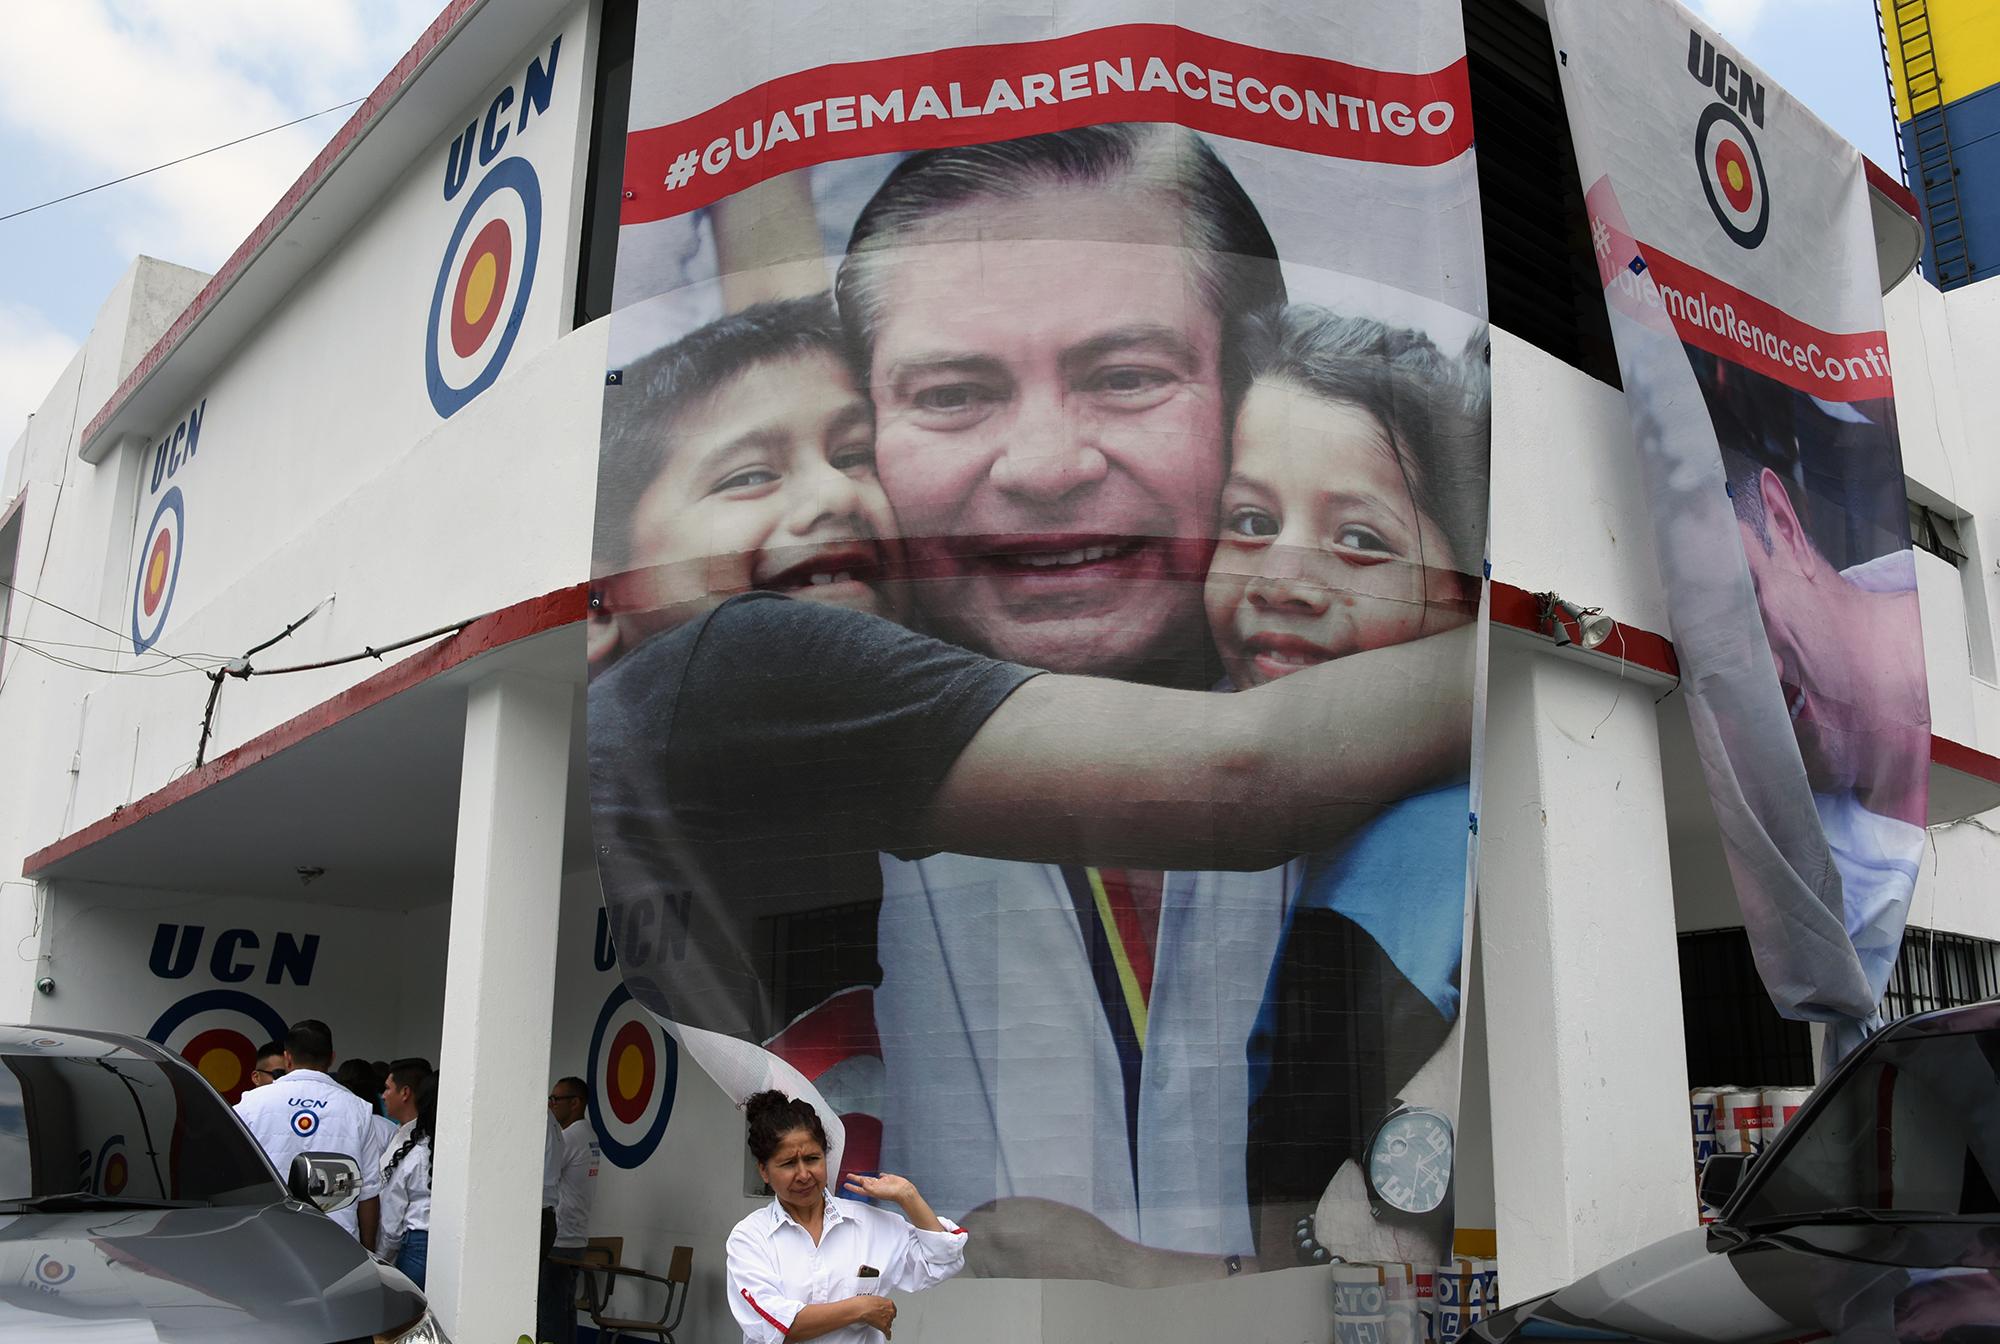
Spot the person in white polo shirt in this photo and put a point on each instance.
(306, 1111)
(399, 1100)
(576, 1192)
(406, 1188)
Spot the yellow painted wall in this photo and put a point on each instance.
(1967, 34)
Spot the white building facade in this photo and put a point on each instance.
(398, 842)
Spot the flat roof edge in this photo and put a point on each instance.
(95, 443)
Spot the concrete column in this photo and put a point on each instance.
(1591, 1149)
(499, 995)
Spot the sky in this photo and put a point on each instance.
(94, 89)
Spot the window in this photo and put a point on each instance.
(604, 178)
(109, 1123)
(1937, 526)
(1899, 1132)
(1934, 532)
(10, 550)
(1734, 1035)
(1941, 970)
(1541, 277)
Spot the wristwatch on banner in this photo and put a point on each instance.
(1408, 1163)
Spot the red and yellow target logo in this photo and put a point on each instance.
(1732, 175)
(112, 1171)
(483, 284)
(304, 1123)
(224, 1056)
(218, 1031)
(634, 1066)
(159, 570)
(51, 1272)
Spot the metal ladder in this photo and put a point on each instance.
(1927, 164)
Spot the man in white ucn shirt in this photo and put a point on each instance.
(306, 1111)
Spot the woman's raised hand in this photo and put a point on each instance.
(897, 1190)
(886, 1186)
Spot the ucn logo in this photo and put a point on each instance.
(1726, 157)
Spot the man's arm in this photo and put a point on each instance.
(1084, 769)
(1023, 1236)
(368, 1213)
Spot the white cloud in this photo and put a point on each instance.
(119, 85)
(1738, 20)
(1734, 19)
(32, 356)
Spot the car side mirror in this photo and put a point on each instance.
(327, 1181)
(1721, 1175)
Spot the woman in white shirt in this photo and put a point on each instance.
(405, 1237)
(810, 1265)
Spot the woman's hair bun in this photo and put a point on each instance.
(771, 1115)
(764, 1104)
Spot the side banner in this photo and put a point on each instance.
(1035, 635)
(1732, 234)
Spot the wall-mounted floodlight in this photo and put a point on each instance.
(1559, 615)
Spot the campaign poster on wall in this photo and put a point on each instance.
(1732, 234)
(1035, 620)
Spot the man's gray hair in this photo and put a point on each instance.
(1234, 261)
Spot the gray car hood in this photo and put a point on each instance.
(1856, 1284)
(276, 1274)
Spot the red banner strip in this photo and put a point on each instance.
(969, 95)
(1727, 322)
(1743, 329)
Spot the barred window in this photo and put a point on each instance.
(1941, 970)
(1734, 1035)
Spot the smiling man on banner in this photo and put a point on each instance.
(1047, 305)
(1860, 707)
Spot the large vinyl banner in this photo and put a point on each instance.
(1041, 508)
(1732, 234)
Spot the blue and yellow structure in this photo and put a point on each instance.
(1944, 69)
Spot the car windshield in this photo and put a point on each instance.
(96, 1129)
(1912, 1133)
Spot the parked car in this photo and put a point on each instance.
(1873, 1216)
(135, 1205)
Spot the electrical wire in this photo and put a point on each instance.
(156, 670)
(98, 648)
(241, 668)
(372, 652)
(99, 625)
(45, 642)
(227, 144)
